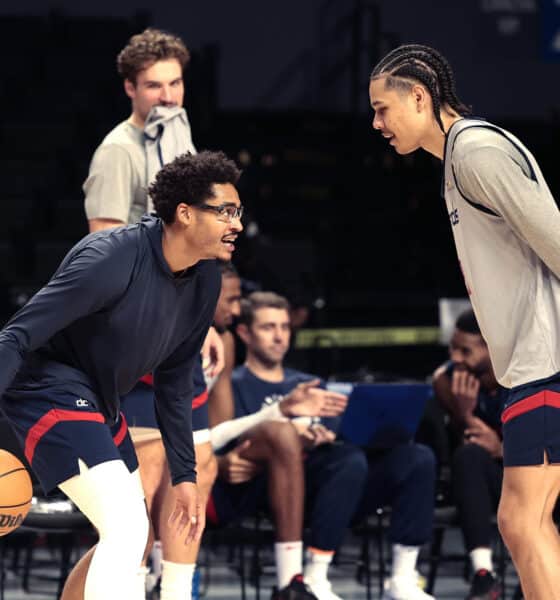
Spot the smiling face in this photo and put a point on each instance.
(403, 114)
(469, 352)
(160, 84)
(208, 235)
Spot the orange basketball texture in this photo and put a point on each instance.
(15, 492)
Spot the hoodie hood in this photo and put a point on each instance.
(153, 226)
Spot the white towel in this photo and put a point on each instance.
(167, 134)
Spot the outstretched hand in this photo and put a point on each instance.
(188, 514)
(309, 400)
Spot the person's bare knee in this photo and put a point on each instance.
(526, 505)
(510, 525)
(276, 440)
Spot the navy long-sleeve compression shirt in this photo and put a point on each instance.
(112, 312)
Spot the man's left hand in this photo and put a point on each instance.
(314, 435)
(188, 514)
(478, 432)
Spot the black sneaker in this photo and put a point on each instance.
(484, 586)
(295, 590)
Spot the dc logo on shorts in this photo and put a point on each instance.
(81, 403)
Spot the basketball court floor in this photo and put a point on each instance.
(224, 582)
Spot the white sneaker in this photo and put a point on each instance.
(404, 589)
(321, 589)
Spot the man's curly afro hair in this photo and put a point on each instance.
(189, 179)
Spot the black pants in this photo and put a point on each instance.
(403, 478)
(477, 483)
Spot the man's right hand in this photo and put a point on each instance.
(314, 435)
(233, 468)
(309, 400)
(465, 387)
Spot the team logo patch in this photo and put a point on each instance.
(272, 399)
(454, 217)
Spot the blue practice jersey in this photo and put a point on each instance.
(112, 312)
(251, 393)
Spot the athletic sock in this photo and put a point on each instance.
(404, 562)
(481, 558)
(288, 557)
(317, 564)
(176, 580)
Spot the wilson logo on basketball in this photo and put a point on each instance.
(11, 521)
(16, 492)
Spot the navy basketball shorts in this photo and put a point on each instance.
(531, 424)
(55, 428)
(138, 408)
(230, 502)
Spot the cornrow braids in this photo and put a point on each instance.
(414, 62)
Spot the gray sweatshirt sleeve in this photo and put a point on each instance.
(489, 176)
(109, 186)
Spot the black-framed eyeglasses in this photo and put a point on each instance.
(224, 212)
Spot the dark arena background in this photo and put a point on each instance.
(356, 236)
(335, 219)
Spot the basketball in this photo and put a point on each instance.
(15, 492)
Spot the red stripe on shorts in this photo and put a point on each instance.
(200, 400)
(49, 420)
(121, 433)
(544, 398)
(196, 403)
(148, 379)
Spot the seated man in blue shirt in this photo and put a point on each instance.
(274, 453)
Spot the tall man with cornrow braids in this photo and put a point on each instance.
(505, 223)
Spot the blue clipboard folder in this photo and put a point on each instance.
(382, 415)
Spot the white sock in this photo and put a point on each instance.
(176, 580)
(140, 584)
(481, 558)
(288, 557)
(316, 565)
(404, 561)
(156, 556)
